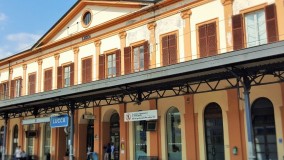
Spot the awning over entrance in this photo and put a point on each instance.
(223, 71)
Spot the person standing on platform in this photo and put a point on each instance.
(112, 151)
(18, 153)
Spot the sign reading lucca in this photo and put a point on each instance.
(141, 115)
(59, 121)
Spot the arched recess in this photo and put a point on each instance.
(15, 137)
(263, 122)
(114, 134)
(174, 137)
(214, 132)
(110, 129)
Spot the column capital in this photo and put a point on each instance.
(11, 70)
(122, 35)
(151, 25)
(185, 14)
(98, 43)
(226, 2)
(39, 62)
(24, 66)
(76, 50)
(56, 56)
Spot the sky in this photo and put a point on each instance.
(24, 22)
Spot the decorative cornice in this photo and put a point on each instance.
(39, 62)
(98, 43)
(24, 66)
(76, 50)
(151, 25)
(185, 14)
(227, 2)
(122, 35)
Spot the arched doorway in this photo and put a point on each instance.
(214, 135)
(15, 137)
(174, 134)
(264, 129)
(90, 136)
(114, 134)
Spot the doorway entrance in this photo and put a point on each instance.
(264, 129)
(114, 134)
(214, 132)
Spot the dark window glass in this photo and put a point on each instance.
(87, 18)
(264, 129)
(214, 132)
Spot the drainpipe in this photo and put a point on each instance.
(246, 83)
(251, 149)
(71, 140)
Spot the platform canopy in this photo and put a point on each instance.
(261, 65)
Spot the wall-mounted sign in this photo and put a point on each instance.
(86, 37)
(89, 116)
(36, 120)
(59, 121)
(141, 116)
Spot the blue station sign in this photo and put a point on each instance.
(59, 121)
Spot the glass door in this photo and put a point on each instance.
(140, 139)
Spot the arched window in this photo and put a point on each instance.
(30, 141)
(264, 129)
(114, 134)
(15, 137)
(47, 132)
(174, 134)
(214, 135)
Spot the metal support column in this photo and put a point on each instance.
(71, 140)
(4, 137)
(251, 151)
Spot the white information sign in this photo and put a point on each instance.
(35, 120)
(141, 115)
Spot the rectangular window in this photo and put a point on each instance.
(18, 87)
(207, 39)
(87, 70)
(111, 65)
(5, 90)
(31, 84)
(138, 58)
(48, 80)
(169, 49)
(67, 76)
(255, 28)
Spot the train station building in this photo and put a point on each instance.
(160, 79)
